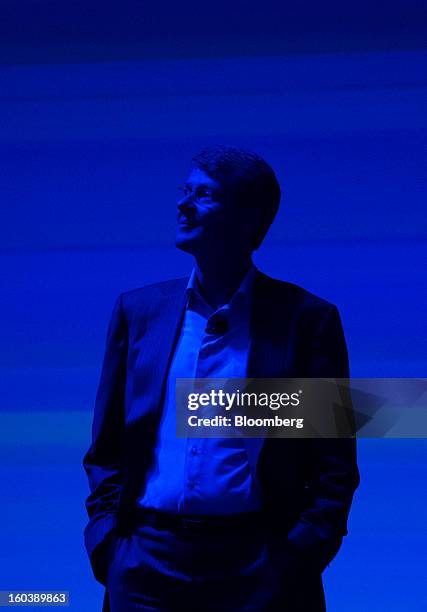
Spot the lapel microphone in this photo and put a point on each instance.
(217, 325)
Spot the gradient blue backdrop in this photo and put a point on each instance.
(94, 142)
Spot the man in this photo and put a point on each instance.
(215, 524)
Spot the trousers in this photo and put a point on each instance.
(171, 570)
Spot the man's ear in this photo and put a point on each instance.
(258, 236)
(256, 242)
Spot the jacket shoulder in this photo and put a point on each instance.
(135, 299)
(285, 292)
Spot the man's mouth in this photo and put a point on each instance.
(186, 223)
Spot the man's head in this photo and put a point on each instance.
(228, 204)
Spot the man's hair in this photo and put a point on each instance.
(252, 177)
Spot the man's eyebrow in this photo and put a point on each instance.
(203, 185)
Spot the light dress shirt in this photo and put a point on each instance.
(214, 475)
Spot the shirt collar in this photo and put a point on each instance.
(242, 295)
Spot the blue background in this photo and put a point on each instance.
(100, 111)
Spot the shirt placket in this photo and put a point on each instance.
(196, 446)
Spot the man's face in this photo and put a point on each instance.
(209, 219)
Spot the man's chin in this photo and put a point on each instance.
(186, 244)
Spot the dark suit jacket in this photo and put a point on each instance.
(307, 484)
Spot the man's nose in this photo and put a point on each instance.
(186, 203)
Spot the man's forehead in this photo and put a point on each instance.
(198, 176)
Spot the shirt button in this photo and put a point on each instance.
(194, 450)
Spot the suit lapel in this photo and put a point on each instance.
(157, 338)
(268, 353)
(166, 330)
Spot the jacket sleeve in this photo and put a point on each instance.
(102, 462)
(332, 473)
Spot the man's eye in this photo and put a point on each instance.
(200, 193)
(205, 193)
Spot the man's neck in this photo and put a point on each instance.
(218, 281)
